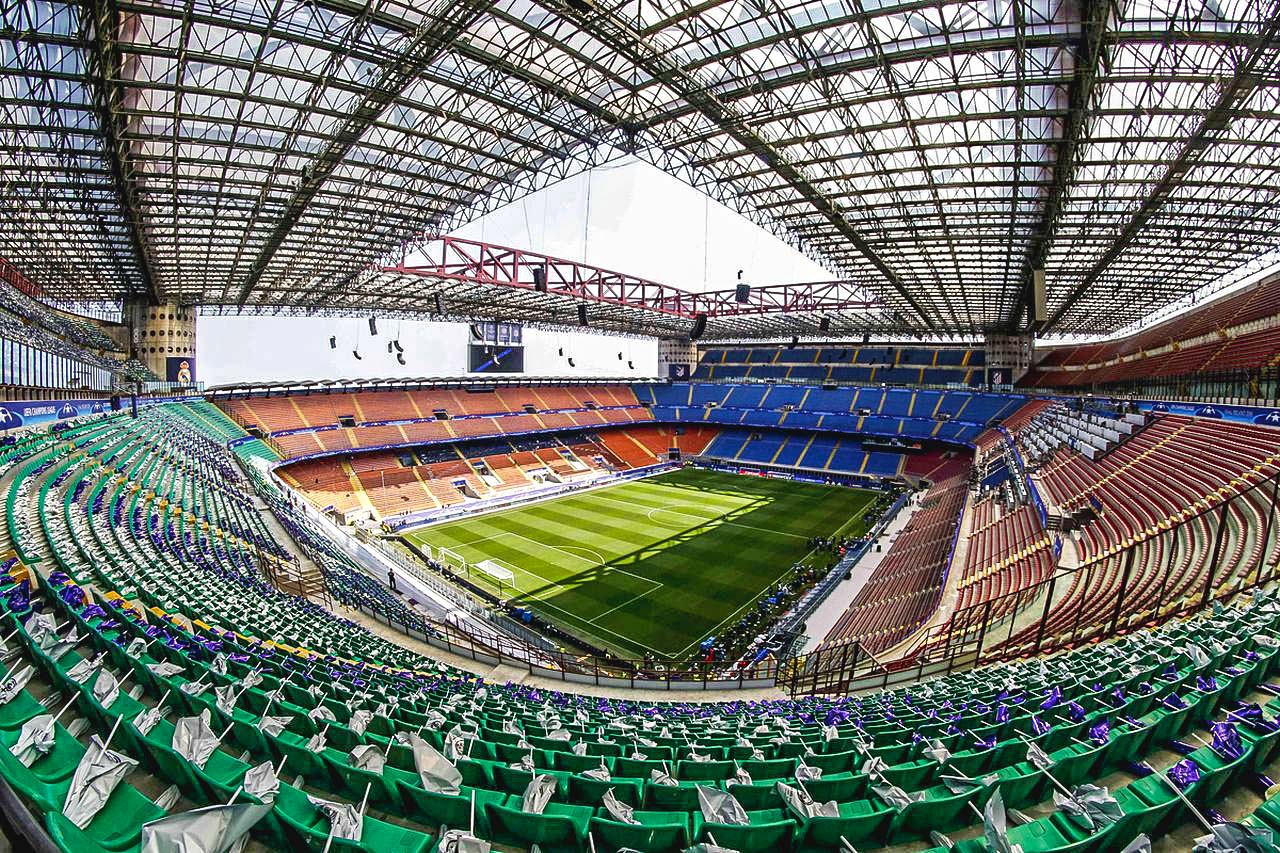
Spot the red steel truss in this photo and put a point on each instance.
(474, 262)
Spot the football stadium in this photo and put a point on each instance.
(717, 427)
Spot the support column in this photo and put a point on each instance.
(1008, 358)
(163, 338)
(677, 358)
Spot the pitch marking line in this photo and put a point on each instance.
(655, 585)
(719, 517)
(573, 617)
(597, 562)
(630, 600)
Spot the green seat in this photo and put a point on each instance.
(301, 761)
(1127, 745)
(1264, 746)
(571, 763)
(1167, 724)
(678, 798)
(653, 832)
(19, 709)
(1216, 773)
(1076, 763)
(559, 829)
(974, 763)
(913, 775)
(834, 762)
(1268, 813)
(46, 781)
(1053, 835)
(940, 810)
(384, 792)
(859, 821)
(704, 771)
(838, 786)
(894, 753)
(513, 780)
(476, 772)
(116, 826)
(585, 791)
(784, 768)
(542, 758)
(451, 810)
(768, 830)
(636, 768)
(761, 794)
(1150, 804)
(307, 829)
(1021, 784)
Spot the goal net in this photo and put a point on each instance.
(500, 575)
(451, 558)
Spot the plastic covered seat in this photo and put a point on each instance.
(940, 810)
(859, 821)
(769, 829)
(560, 828)
(308, 829)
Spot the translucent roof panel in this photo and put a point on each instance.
(282, 152)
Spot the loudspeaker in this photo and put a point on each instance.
(571, 364)
(743, 293)
(1039, 300)
(373, 325)
(699, 327)
(400, 358)
(356, 353)
(439, 304)
(582, 314)
(866, 338)
(824, 325)
(540, 279)
(795, 339)
(333, 342)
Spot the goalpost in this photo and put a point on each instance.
(499, 574)
(451, 558)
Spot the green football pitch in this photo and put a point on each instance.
(655, 565)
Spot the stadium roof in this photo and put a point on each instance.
(266, 152)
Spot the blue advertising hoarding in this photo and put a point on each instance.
(15, 414)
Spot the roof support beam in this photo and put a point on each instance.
(104, 66)
(1233, 93)
(429, 40)
(1086, 61)
(657, 63)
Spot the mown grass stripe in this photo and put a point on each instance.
(687, 575)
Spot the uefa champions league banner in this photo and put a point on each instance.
(26, 413)
(15, 414)
(1240, 414)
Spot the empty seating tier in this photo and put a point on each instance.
(887, 363)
